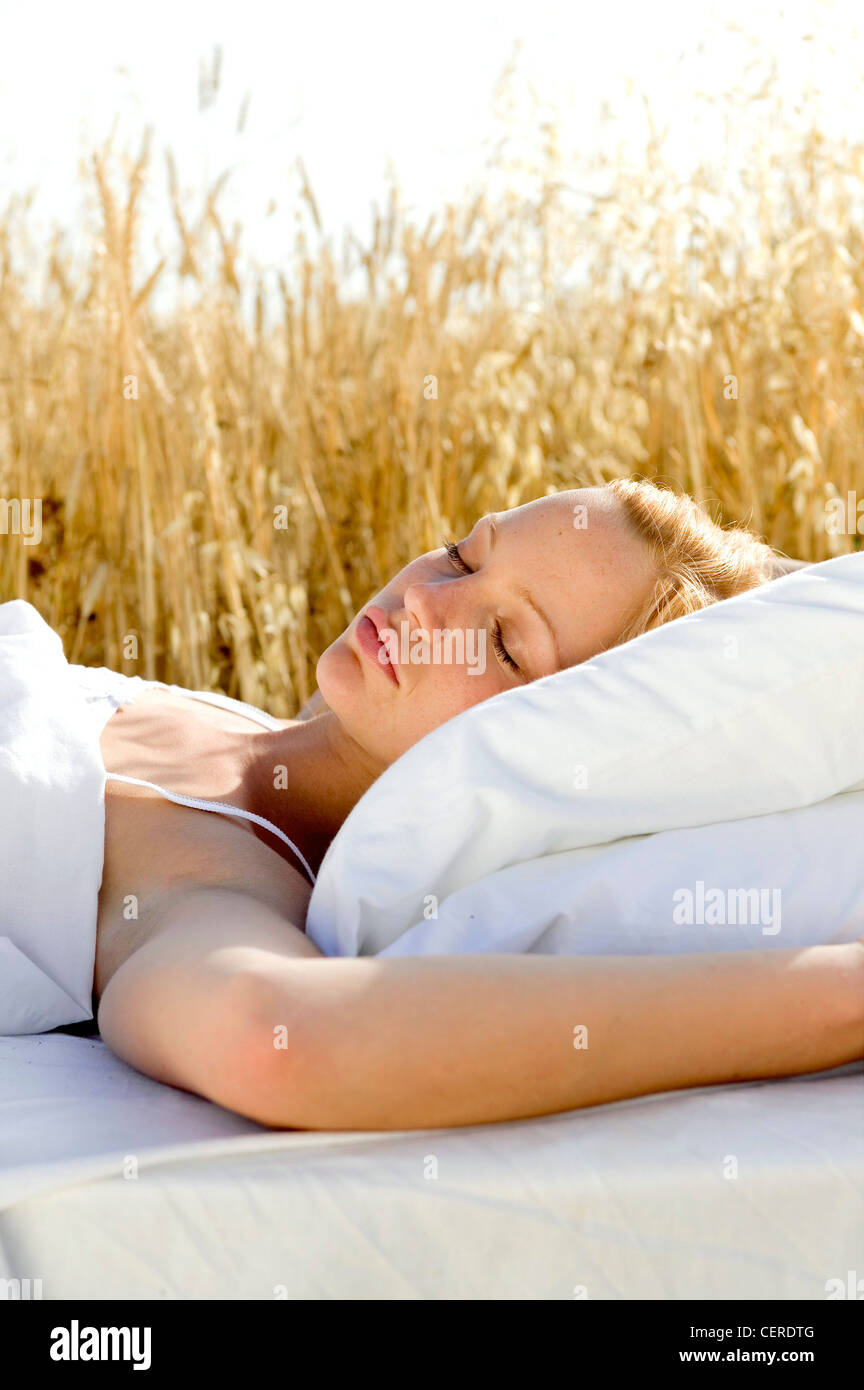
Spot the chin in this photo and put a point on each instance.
(338, 674)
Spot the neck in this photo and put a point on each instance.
(305, 778)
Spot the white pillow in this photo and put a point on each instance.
(749, 708)
(793, 878)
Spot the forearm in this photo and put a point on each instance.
(448, 1040)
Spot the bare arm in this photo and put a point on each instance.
(374, 1043)
(405, 1043)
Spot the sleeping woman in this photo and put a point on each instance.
(215, 988)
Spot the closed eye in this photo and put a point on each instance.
(453, 554)
(497, 639)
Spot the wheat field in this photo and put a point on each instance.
(223, 483)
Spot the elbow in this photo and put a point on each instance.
(310, 1056)
(270, 1066)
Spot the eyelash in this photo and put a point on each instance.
(497, 639)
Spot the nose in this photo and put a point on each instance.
(418, 604)
(432, 605)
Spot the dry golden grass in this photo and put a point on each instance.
(160, 512)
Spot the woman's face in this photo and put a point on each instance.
(530, 591)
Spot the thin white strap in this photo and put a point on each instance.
(227, 702)
(220, 807)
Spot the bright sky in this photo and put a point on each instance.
(351, 86)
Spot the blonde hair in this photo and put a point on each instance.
(698, 561)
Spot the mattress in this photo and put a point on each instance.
(113, 1186)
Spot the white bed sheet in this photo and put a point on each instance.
(624, 1201)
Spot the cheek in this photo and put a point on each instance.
(454, 689)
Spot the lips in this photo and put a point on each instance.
(369, 629)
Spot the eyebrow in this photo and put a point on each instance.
(523, 592)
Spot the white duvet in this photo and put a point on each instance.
(52, 829)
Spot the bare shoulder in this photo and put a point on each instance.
(173, 1009)
(168, 853)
